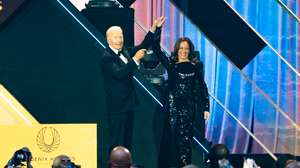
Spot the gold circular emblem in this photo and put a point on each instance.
(52, 135)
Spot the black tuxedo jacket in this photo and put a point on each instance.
(118, 77)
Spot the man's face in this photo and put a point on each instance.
(115, 39)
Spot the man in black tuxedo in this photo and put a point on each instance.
(118, 65)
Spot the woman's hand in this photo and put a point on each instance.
(158, 23)
(206, 115)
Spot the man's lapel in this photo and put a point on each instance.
(126, 54)
(116, 58)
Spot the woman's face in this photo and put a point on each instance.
(183, 52)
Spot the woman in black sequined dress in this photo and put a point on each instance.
(186, 95)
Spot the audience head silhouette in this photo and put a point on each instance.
(120, 157)
(61, 161)
(293, 164)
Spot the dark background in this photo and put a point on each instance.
(8, 8)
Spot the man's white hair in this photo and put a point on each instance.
(113, 28)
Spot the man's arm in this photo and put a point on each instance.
(126, 70)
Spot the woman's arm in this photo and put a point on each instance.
(203, 91)
(161, 56)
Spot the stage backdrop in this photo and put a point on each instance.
(226, 82)
(45, 142)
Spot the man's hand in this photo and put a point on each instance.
(158, 23)
(139, 55)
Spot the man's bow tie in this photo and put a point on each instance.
(120, 52)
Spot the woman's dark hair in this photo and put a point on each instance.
(177, 46)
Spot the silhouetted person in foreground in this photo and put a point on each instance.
(120, 157)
